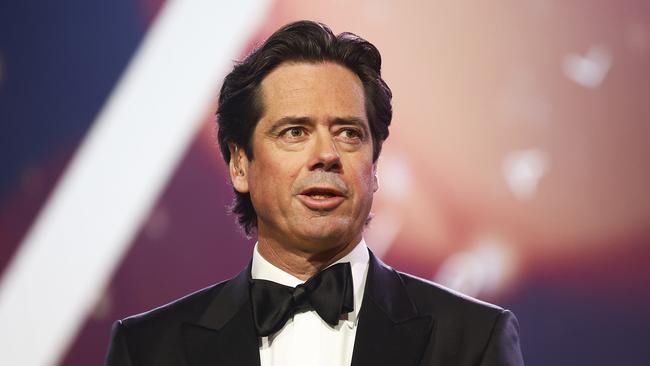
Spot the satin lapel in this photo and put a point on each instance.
(225, 334)
(390, 332)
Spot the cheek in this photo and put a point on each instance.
(273, 180)
(365, 183)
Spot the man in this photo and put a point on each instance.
(301, 123)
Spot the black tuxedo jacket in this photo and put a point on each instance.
(404, 320)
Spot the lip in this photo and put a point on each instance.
(322, 204)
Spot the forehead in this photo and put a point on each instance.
(312, 90)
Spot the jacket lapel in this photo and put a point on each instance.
(391, 332)
(225, 334)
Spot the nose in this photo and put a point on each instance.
(325, 156)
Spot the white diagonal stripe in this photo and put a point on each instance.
(120, 168)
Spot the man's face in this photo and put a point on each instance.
(312, 177)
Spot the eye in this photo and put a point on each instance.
(293, 132)
(351, 134)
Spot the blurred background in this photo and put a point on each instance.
(517, 170)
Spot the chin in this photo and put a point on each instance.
(324, 237)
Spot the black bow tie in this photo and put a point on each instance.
(329, 292)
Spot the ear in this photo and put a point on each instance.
(375, 182)
(238, 168)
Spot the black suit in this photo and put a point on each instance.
(404, 320)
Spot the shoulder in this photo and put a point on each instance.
(468, 330)
(186, 309)
(154, 337)
(449, 306)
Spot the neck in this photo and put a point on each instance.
(299, 263)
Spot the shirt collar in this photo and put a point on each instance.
(358, 258)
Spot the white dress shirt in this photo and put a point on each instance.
(306, 339)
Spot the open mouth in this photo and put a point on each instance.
(322, 192)
(320, 195)
(321, 198)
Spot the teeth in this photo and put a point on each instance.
(320, 196)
